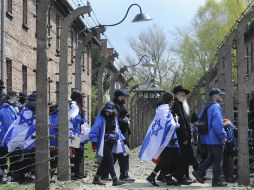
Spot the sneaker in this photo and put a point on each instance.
(97, 181)
(127, 180)
(219, 184)
(172, 182)
(152, 181)
(184, 181)
(117, 182)
(198, 177)
(230, 180)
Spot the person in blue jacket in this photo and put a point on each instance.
(214, 139)
(8, 114)
(106, 138)
(76, 117)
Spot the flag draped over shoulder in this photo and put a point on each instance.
(22, 131)
(159, 134)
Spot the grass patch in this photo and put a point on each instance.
(89, 154)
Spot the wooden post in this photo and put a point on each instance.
(42, 140)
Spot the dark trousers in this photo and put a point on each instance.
(107, 163)
(214, 157)
(228, 165)
(3, 158)
(167, 158)
(123, 164)
(78, 155)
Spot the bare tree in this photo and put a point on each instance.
(154, 43)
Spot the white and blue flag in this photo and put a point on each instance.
(22, 131)
(159, 134)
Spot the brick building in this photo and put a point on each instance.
(20, 49)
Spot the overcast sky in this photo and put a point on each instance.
(165, 13)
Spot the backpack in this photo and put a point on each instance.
(202, 124)
(231, 141)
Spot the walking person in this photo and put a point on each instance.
(120, 96)
(106, 138)
(161, 140)
(77, 118)
(181, 108)
(229, 151)
(8, 114)
(214, 138)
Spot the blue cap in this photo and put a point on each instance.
(32, 97)
(109, 107)
(121, 92)
(214, 91)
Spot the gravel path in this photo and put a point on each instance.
(138, 170)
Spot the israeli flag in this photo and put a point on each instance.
(159, 134)
(22, 131)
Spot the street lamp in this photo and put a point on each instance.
(148, 63)
(141, 17)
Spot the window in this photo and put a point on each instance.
(49, 26)
(72, 43)
(88, 108)
(57, 34)
(25, 13)
(247, 60)
(9, 6)
(9, 74)
(57, 92)
(251, 57)
(24, 78)
(88, 61)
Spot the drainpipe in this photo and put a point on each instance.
(2, 41)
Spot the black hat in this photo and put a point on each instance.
(109, 107)
(215, 91)
(179, 88)
(121, 92)
(32, 97)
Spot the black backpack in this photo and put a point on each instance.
(203, 122)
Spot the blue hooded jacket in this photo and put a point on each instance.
(216, 133)
(97, 133)
(53, 129)
(7, 115)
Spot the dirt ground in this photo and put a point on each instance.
(138, 170)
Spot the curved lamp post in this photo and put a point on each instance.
(63, 134)
(141, 17)
(149, 63)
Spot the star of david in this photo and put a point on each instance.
(156, 127)
(26, 117)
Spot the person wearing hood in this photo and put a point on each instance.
(8, 114)
(106, 138)
(181, 109)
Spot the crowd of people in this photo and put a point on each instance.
(176, 139)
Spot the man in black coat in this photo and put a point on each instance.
(186, 157)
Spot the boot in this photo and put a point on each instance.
(117, 182)
(150, 179)
(97, 181)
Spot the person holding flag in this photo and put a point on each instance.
(107, 139)
(160, 135)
